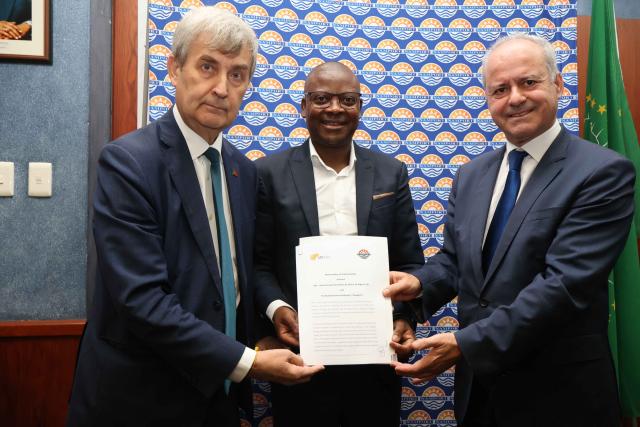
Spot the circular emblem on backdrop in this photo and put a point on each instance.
(433, 398)
(388, 8)
(440, 230)
(161, 9)
(301, 44)
(158, 106)
(286, 67)
(153, 82)
(361, 7)
(373, 27)
(457, 161)
(296, 91)
(419, 190)
(565, 99)
(365, 94)
(460, 120)
(474, 143)
(489, 29)
(270, 138)
(408, 398)
(423, 233)
(227, 6)
(388, 96)
(362, 138)
(168, 30)
(255, 113)
(286, 20)
(474, 8)
(359, 49)
(402, 119)
(570, 120)
(431, 74)
(286, 115)
(460, 74)
(517, 25)
(416, 8)
(417, 142)
(532, 8)
(432, 212)
(330, 47)
(460, 29)
(240, 136)
(262, 66)
(256, 16)
(562, 51)
(316, 23)
(373, 72)
(254, 155)
(570, 74)
(311, 64)
(446, 143)
(498, 140)
(430, 251)
(558, 8)
(446, 418)
(431, 29)
(431, 166)
(402, 73)
(388, 142)
(408, 161)
(431, 120)
(373, 118)
(485, 122)
(503, 9)
(447, 377)
(417, 51)
(417, 417)
(271, 42)
(271, 90)
(158, 54)
(187, 5)
(447, 324)
(260, 405)
(473, 97)
(152, 30)
(445, 8)
(445, 52)
(445, 97)
(417, 96)
(345, 25)
(302, 4)
(473, 52)
(298, 136)
(330, 6)
(388, 50)
(402, 28)
(569, 28)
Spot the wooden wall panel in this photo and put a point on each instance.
(37, 361)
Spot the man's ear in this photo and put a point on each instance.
(303, 107)
(173, 68)
(559, 83)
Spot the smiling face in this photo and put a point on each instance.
(210, 86)
(522, 96)
(335, 124)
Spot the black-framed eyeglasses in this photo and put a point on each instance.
(323, 99)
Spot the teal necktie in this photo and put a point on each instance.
(226, 263)
(504, 208)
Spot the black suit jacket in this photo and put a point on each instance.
(534, 329)
(155, 352)
(287, 210)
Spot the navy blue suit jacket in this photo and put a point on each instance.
(534, 329)
(155, 352)
(288, 210)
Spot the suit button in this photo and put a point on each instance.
(217, 305)
(483, 303)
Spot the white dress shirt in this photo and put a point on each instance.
(197, 147)
(536, 148)
(336, 199)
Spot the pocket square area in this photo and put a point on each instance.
(382, 195)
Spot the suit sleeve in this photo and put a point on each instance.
(133, 269)
(587, 243)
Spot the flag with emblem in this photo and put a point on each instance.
(608, 122)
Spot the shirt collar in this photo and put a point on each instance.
(316, 159)
(196, 144)
(540, 144)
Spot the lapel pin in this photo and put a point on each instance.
(234, 173)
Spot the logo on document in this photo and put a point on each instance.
(363, 253)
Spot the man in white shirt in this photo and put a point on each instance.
(169, 339)
(330, 186)
(532, 232)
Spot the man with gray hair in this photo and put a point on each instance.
(532, 232)
(168, 340)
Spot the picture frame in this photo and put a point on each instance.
(25, 30)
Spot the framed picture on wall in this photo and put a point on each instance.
(25, 30)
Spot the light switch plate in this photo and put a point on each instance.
(40, 179)
(6, 179)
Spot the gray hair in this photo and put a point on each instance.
(226, 32)
(547, 50)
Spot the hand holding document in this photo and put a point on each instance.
(343, 317)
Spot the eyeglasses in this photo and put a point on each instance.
(347, 100)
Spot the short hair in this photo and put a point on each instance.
(547, 49)
(227, 33)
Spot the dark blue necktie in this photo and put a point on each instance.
(504, 208)
(226, 263)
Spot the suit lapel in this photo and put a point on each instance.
(549, 167)
(302, 172)
(364, 169)
(183, 175)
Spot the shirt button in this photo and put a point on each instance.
(483, 303)
(217, 305)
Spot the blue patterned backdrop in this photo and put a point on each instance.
(418, 62)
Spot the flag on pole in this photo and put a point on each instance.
(608, 122)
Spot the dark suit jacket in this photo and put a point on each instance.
(287, 210)
(534, 330)
(155, 352)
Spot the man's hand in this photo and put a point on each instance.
(285, 322)
(403, 336)
(402, 286)
(282, 366)
(270, 343)
(23, 28)
(9, 30)
(443, 355)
